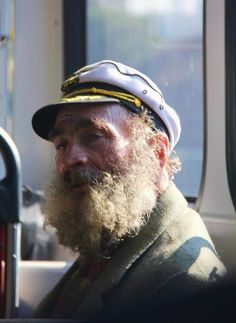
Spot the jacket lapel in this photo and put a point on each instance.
(130, 250)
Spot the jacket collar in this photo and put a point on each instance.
(169, 205)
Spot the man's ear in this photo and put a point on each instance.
(162, 145)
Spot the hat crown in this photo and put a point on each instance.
(110, 66)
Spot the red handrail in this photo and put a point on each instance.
(3, 237)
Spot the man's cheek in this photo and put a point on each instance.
(58, 164)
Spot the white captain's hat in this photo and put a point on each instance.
(110, 81)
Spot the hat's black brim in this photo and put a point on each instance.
(44, 119)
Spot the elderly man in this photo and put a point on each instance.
(113, 201)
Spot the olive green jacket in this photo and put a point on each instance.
(171, 256)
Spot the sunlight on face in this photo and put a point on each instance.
(116, 204)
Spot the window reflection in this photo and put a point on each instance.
(162, 38)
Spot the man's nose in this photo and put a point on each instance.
(74, 155)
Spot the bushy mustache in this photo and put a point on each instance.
(79, 176)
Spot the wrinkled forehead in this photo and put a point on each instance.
(65, 114)
(109, 111)
(110, 117)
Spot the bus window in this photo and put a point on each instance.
(230, 51)
(164, 39)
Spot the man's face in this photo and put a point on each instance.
(107, 176)
(93, 139)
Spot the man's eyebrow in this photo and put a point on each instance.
(101, 125)
(95, 122)
(55, 132)
(86, 123)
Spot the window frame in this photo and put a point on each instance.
(75, 22)
(230, 90)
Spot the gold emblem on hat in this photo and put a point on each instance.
(71, 81)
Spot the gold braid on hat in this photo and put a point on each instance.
(116, 94)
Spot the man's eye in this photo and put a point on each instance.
(60, 146)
